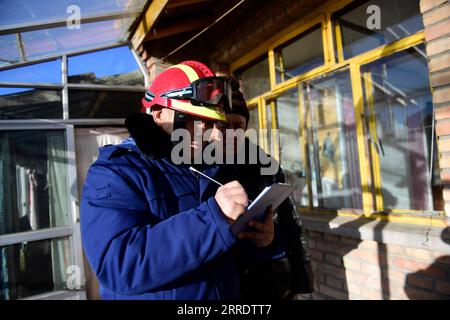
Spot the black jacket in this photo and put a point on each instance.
(284, 277)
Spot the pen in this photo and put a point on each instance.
(209, 178)
(205, 176)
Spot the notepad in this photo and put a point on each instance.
(270, 196)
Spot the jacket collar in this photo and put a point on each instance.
(151, 140)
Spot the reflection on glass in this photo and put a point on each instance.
(114, 66)
(402, 110)
(253, 121)
(27, 11)
(26, 103)
(332, 143)
(254, 79)
(292, 155)
(63, 40)
(47, 72)
(399, 19)
(103, 104)
(299, 55)
(9, 51)
(33, 268)
(33, 180)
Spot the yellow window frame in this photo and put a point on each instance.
(372, 201)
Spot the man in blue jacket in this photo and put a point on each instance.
(152, 229)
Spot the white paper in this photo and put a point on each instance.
(270, 196)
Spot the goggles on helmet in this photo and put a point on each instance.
(208, 92)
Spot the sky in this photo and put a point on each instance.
(102, 63)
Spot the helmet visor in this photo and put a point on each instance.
(212, 91)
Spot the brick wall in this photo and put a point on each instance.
(253, 30)
(347, 268)
(436, 15)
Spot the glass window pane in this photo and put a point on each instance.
(254, 79)
(292, 155)
(9, 51)
(114, 66)
(47, 72)
(33, 180)
(103, 104)
(33, 268)
(402, 107)
(399, 19)
(30, 103)
(27, 11)
(300, 55)
(63, 40)
(253, 122)
(332, 141)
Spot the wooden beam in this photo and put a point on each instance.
(180, 3)
(180, 27)
(145, 25)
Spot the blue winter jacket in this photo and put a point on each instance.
(151, 229)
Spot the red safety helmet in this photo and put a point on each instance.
(192, 88)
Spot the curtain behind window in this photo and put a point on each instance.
(58, 203)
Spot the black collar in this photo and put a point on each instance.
(151, 140)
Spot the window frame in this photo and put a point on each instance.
(72, 231)
(334, 61)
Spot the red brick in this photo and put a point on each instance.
(445, 177)
(335, 283)
(333, 259)
(369, 245)
(440, 79)
(435, 271)
(354, 288)
(444, 162)
(442, 95)
(426, 5)
(312, 243)
(330, 237)
(318, 296)
(337, 248)
(441, 114)
(420, 281)
(320, 278)
(317, 255)
(333, 271)
(350, 241)
(437, 30)
(315, 235)
(420, 254)
(333, 293)
(391, 249)
(443, 287)
(438, 46)
(395, 276)
(370, 294)
(443, 259)
(443, 128)
(351, 263)
(420, 294)
(444, 144)
(439, 63)
(368, 256)
(356, 277)
(410, 265)
(438, 14)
